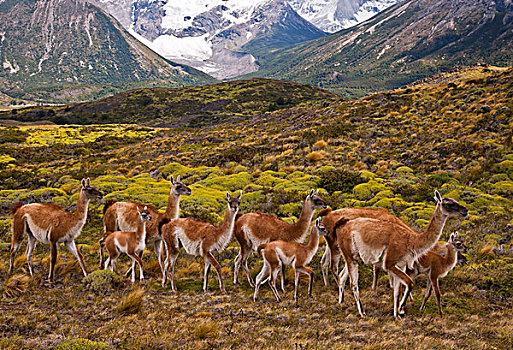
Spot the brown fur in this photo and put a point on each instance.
(268, 228)
(435, 264)
(132, 242)
(15, 207)
(49, 224)
(277, 254)
(198, 238)
(390, 244)
(108, 204)
(128, 210)
(331, 256)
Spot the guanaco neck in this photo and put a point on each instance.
(173, 205)
(450, 258)
(299, 229)
(82, 205)
(313, 242)
(228, 223)
(140, 234)
(427, 239)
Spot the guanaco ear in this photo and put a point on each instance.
(316, 192)
(83, 183)
(438, 197)
(145, 208)
(138, 210)
(228, 196)
(240, 195)
(171, 180)
(311, 193)
(318, 222)
(451, 239)
(178, 178)
(88, 181)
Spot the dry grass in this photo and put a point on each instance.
(151, 317)
(16, 285)
(132, 303)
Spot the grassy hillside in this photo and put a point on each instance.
(409, 41)
(191, 106)
(452, 132)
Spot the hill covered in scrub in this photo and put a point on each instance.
(452, 132)
(189, 106)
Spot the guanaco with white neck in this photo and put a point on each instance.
(128, 242)
(50, 224)
(276, 254)
(253, 229)
(332, 253)
(199, 238)
(435, 266)
(123, 216)
(393, 246)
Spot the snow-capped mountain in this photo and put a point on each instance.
(222, 37)
(334, 15)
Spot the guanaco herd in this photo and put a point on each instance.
(369, 235)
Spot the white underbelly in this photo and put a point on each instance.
(286, 260)
(369, 255)
(121, 248)
(255, 241)
(191, 247)
(40, 234)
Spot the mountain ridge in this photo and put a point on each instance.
(409, 41)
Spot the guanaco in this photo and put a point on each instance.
(50, 224)
(276, 254)
(128, 242)
(199, 238)
(253, 229)
(391, 245)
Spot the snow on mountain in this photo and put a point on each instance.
(334, 15)
(214, 35)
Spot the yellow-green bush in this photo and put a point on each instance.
(102, 281)
(365, 191)
(82, 344)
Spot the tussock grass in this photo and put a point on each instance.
(16, 285)
(132, 303)
(206, 329)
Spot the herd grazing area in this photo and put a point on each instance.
(452, 133)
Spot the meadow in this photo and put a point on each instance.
(391, 150)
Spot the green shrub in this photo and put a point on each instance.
(102, 281)
(339, 180)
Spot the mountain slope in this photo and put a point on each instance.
(191, 106)
(409, 41)
(213, 35)
(66, 50)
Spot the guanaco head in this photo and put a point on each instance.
(457, 243)
(314, 201)
(233, 202)
(178, 187)
(90, 191)
(319, 226)
(449, 206)
(459, 247)
(144, 214)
